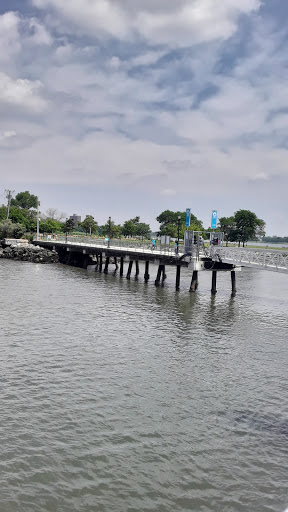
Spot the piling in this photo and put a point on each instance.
(106, 265)
(214, 282)
(161, 272)
(194, 282)
(121, 266)
(233, 282)
(137, 268)
(178, 273)
(129, 269)
(146, 275)
(100, 262)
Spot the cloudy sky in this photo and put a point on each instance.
(130, 107)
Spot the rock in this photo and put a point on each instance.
(30, 253)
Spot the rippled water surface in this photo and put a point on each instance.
(119, 396)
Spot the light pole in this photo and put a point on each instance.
(37, 228)
(178, 231)
(109, 231)
(66, 227)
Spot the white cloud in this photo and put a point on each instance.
(9, 35)
(39, 34)
(21, 93)
(171, 23)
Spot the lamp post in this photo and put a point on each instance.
(38, 219)
(178, 230)
(66, 227)
(109, 231)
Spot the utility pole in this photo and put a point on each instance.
(9, 194)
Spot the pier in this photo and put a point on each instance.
(124, 257)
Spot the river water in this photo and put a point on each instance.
(119, 396)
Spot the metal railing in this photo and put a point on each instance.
(265, 259)
(133, 246)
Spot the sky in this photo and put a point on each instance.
(130, 107)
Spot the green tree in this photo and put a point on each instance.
(168, 221)
(50, 226)
(129, 228)
(227, 227)
(111, 229)
(3, 212)
(247, 227)
(89, 225)
(25, 200)
(68, 226)
(8, 229)
(143, 230)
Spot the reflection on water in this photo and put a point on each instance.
(117, 395)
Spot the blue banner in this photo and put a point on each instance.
(188, 217)
(214, 219)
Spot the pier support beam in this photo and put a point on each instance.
(194, 281)
(214, 282)
(121, 266)
(137, 268)
(106, 265)
(129, 269)
(146, 275)
(116, 263)
(178, 273)
(233, 282)
(100, 263)
(161, 272)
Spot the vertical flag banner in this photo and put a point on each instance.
(214, 219)
(188, 217)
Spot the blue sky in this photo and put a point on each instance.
(131, 107)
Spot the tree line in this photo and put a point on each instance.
(244, 225)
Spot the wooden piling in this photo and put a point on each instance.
(106, 265)
(146, 275)
(129, 269)
(233, 282)
(178, 273)
(100, 262)
(194, 281)
(164, 275)
(161, 272)
(214, 282)
(137, 268)
(158, 277)
(121, 266)
(116, 263)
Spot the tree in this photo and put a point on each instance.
(111, 229)
(54, 214)
(25, 200)
(49, 226)
(129, 228)
(89, 225)
(169, 223)
(143, 230)
(68, 226)
(8, 229)
(227, 226)
(247, 227)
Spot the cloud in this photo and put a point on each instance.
(177, 24)
(9, 35)
(21, 93)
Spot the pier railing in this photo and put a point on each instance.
(265, 259)
(130, 245)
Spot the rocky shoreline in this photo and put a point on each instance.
(31, 253)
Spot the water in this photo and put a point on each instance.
(119, 396)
